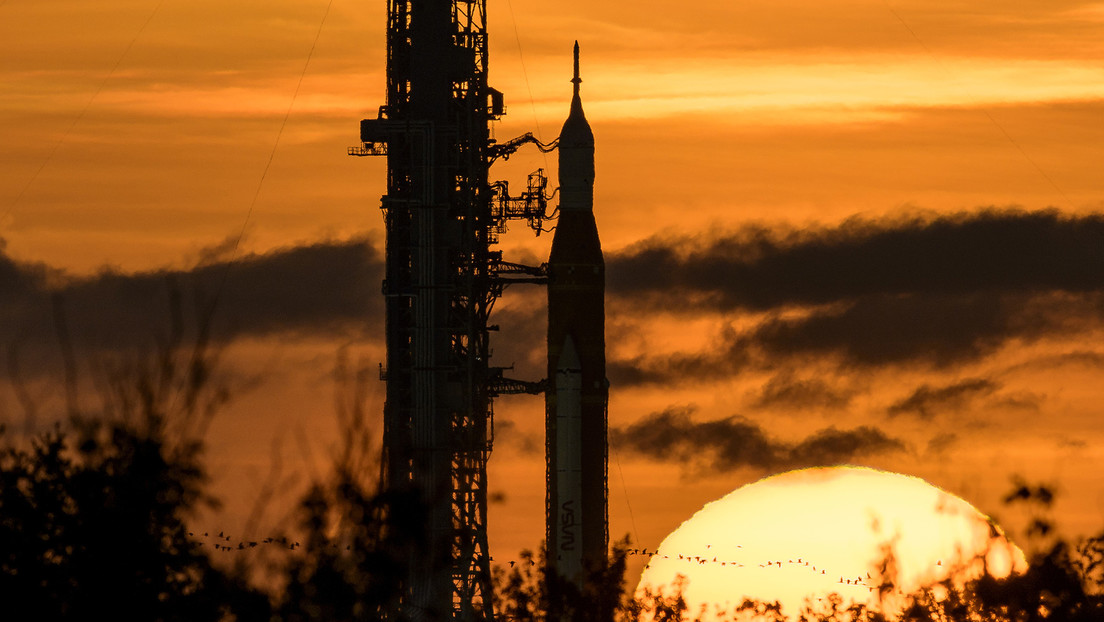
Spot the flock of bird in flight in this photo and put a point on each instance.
(282, 541)
(220, 540)
(870, 583)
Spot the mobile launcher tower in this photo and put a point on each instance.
(442, 218)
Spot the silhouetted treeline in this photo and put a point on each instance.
(94, 525)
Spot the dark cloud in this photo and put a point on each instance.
(522, 332)
(734, 442)
(941, 443)
(324, 288)
(1021, 400)
(926, 290)
(1079, 358)
(931, 290)
(936, 329)
(789, 392)
(508, 433)
(927, 401)
(728, 358)
(760, 269)
(933, 330)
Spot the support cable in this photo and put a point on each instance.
(525, 74)
(984, 111)
(208, 313)
(264, 173)
(50, 156)
(280, 133)
(632, 519)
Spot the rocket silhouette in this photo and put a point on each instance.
(575, 402)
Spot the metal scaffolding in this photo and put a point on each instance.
(442, 279)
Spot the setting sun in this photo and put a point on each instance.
(870, 536)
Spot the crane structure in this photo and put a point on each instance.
(442, 278)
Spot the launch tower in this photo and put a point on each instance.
(442, 278)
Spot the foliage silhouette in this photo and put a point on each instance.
(355, 536)
(93, 524)
(530, 591)
(94, 511)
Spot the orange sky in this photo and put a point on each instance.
(136, 134)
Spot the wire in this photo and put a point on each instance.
(525, 73)
(632, 519)
(50, 156)
(984, 111)
(280, 133)
(271, 156)
(208, 313)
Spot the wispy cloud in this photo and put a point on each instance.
(927, 401)
(787, 391)
(326, 288)
(1002, 250)
(932, 290)
(735, 442)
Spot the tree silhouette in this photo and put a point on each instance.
(93, 525)
(93, 513)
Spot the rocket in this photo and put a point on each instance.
(575, 401)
